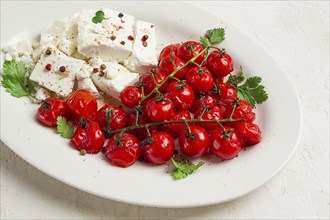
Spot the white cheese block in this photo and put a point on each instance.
(85, 72)
(88, 84)
(20, 51)
(114, 78)
(59, 82)
(42, 94)
(143, 57)
(108, 39)
(63, 34)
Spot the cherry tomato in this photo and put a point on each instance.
(243, 111)
(225, 145)
(140, 133)
(189, 49)
(160, 149)
(123, 150)
(168, 50)
(110, 118)
(181, 94)
(168, 65)
(220, 64)
(149, 84)
(194, 144)
(200, 79)
(131, 96)
(176, 128)
(89, 138)
(202, 100)
(159, 110)
(249, 133)
(81, 103)
(227, 94)
(50, 109)
(209, 114)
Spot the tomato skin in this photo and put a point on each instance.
(211, 114)
(249, 133)
(243, 111)
(181, 94)
(220, 65)
(91, 138)
(224, 148)
(196, 146)
(131, 96)
(166, 51)
(176, 128)
(126, 152)
(202, 100)
(81, 103)
(161, 150)
(117, 119)
(159, 110)
(189, 49)
(140, 133)
(168, 65)
(227, 94)
(149, 84)
(50, 109)
(200, 79)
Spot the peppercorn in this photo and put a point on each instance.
(103, 67)
(48, 52)
(62, 69)
(48, 67)
(120, 15)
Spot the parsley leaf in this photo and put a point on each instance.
(13, 80)
(184, 167)
(99, 17)
(251, 91)
(213, 36)
(64, 128)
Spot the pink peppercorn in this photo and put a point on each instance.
(145, 37)
(95, 70)
(48, 67)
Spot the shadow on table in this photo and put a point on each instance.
(91, 206)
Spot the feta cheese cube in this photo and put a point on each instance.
(59, 82)
(108, 39)
(143, 57)
(114, 78)
(42, 94)
(20, 51)
(88, 84)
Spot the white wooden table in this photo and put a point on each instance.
(297, 35)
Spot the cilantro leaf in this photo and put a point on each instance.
(13, 80)
(64, 128)
(184, 167)
(251, 91)
(99, 17)
(213, 36)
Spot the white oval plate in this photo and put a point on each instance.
(279, 117)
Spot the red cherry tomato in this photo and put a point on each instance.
(131, 96)
(123, 150)
(181, 94)
(210, 114)
(225, 145)
(200, 79)
(81, 103)
(89, 138)
(189, 49)
(249, 133)
(168, 50)
(227, 94)
(159, 110)
(220, 64)
(243, 111)
(194, 144)
(140, 133)
(168, 65)
(50, 109)
(160, 149)
(203, 100)
(110, 118)
(149, 84)
(176, 128)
